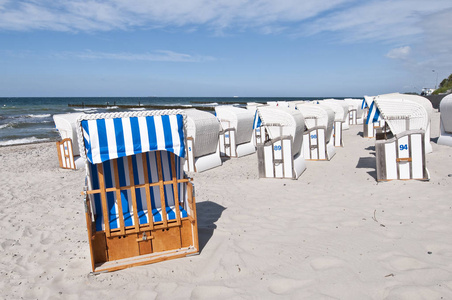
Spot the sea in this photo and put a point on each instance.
(30, 120)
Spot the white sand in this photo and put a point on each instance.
(311, 238)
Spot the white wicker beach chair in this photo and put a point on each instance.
(426, 104)
(203, 147)
(68, 148)
(340, 117)
(236, 137)
(355, 112)
(445, 108)
(318, 141)
(281, 155)
(400, 151)
(139, 205)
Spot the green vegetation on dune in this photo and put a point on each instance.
(444, 86)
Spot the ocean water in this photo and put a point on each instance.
(30, 120)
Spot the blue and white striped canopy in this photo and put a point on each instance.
(374, 114)
(257, 121)
(364, 104)
(111, 138)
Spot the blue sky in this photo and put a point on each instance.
(286, 48)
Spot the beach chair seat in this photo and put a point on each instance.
(140, 206)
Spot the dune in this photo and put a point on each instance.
(335, 233)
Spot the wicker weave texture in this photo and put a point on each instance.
(240, 119)
(355, 104)
(204, 128)
(67, 127)
(400, 114)
(340, 111)
(291, 120)
(318, 115)
(415, 98)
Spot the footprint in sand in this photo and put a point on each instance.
(286, 285)
(324, 263)
(212, 292)
(404, 263)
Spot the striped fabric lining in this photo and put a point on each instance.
(374, 114)
(107, 139)
(364, 104)
(257, 121)
(138, 177)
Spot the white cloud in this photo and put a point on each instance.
(159, 55)
(399, 53)
(95, 15)
(378, 20)
(424, 26)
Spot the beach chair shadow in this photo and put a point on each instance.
(208, 213)
(368, 163)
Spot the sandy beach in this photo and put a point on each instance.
(335, 233)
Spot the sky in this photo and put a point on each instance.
(222, 48)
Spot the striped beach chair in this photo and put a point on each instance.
(372, 122)
(140, 207)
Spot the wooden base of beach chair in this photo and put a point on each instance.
(121, 246)
(145, 259)
(65, 154)
(402, 157)
(133, 249)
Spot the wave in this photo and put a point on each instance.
(39, 116)
(210, 104)
(89, 109)
(4, 126)
(113, 107)
(29, 140)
